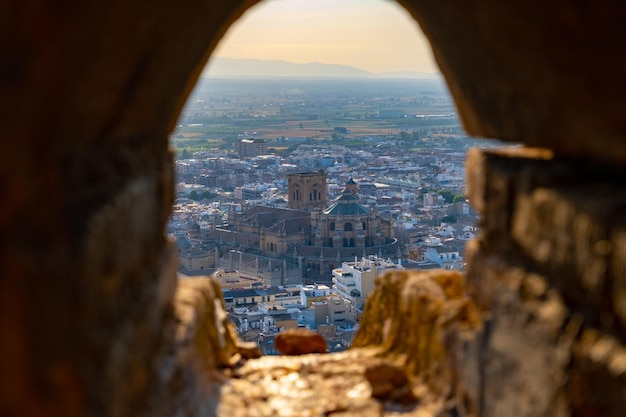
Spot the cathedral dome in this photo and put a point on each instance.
(346, 205)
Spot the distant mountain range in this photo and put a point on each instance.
(220, 67)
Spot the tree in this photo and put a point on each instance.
(194, 195)
(459, 197)
(207, 195)
(447, 195)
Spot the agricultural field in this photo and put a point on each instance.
(221, 112)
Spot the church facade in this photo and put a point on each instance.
(348, 224)
(344, 230)
(314, 235)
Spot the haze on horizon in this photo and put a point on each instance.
(374, 35)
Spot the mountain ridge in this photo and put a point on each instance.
(240, 68)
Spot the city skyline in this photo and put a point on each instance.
(373, 35)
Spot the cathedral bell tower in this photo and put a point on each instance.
(307, 190)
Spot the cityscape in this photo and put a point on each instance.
(295, 194)
(270, 208)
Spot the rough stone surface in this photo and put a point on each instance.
(300, 342)
(562, 218)
(598, 375)
(389, 382)
(314, 385)
(547, 272)
(197, 343)
(517, 365)
(204, 373)
(422, 315)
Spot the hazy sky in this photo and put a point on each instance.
(373, 35)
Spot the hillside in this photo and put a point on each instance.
(245, 68)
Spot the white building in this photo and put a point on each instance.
(445, 257)
(355, 280)
(446, 231)
(312, 293)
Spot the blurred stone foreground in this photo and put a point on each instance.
(404, 359)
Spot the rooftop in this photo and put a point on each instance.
(346, 205)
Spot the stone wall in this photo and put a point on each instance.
(548, 270)
(90, 92)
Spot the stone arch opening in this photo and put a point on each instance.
(100, 153)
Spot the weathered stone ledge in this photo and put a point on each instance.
(403, 362)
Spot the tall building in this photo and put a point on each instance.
(249, 148)
(307, 190)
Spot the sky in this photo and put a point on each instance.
(374, 35)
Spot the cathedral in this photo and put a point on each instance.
(341, 231)
(313, 236)
(348, 224)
